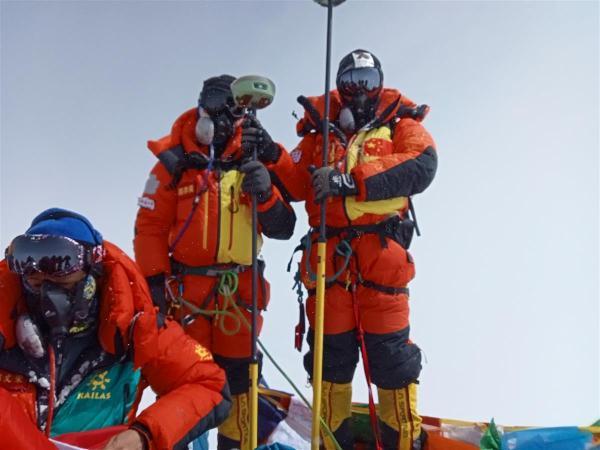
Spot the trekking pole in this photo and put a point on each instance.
(253, 92)
(317, 374)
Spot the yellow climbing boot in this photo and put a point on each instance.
(400, 422)
(234, 433)
(336, 410)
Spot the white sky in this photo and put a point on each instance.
(505, 303)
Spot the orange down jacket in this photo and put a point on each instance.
(390, 162)
(191, 388)
(206, 213)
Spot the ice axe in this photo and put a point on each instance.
(253, 92)
(317, 375)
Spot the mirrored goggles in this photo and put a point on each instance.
(56, 256)
(355, 81)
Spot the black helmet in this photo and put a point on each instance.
(216, 93)
(359, 71)
(217, 112)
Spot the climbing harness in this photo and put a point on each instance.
(227, 286)
(395, 228)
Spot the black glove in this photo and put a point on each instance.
(327, 181)
(255, 136)
(156, 283)
(256, 180)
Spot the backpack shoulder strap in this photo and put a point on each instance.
(172, 158)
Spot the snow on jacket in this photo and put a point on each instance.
(104, 386)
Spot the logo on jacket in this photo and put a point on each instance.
(363, 59)
(11, 378)
(185, 190)
(202, 353)
(296, 155)
(145, 202)
(98, 383)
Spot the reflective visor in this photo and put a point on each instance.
(52, 255)
(354, 81)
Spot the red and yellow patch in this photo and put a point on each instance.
(377, 147)
(202, 353)
(20, 388)
(12, 380)
(184, 191)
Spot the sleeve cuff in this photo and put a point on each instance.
(265, 206)
(271, 165)
(144, 432)
(360, 185)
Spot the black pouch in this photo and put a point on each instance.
(403, 232)
(263, 282)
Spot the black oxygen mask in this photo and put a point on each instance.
(65, 311)
(56, 308)
(217, 113)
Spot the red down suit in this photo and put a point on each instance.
(390, 161)
(194, 225)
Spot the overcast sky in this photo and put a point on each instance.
(505, 303)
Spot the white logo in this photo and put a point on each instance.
(363, 59)
(145, 202)
(337, 180)
(296, 155)
(348, 181)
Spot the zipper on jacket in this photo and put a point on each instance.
(218, 239)
(232, 211)
(350, 142)
(205, 225)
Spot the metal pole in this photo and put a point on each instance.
(321, 254)
(254, 362)
(253, 92)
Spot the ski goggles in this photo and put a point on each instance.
(216, 102)
(56, 256)
(355, 81)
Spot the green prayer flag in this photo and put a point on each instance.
(491, 438)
